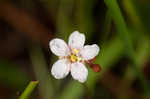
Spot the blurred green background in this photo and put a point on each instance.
(120, 27)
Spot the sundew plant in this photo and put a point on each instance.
(75, 49)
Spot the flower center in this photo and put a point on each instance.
(74, 57)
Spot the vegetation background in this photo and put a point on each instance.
(120, 27)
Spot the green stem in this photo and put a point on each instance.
(29, 89)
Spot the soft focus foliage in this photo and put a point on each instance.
(120, 27)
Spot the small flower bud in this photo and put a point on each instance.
(95, 67)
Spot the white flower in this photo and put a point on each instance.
(72, 57)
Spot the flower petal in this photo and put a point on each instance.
(60, 68)
(89, 52)
(76, 40)
(59, 47)
(79, 72)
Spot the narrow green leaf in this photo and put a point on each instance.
(29, 89)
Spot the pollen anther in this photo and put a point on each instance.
(75, 51)
(79, 59)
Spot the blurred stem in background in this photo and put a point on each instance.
(126, 39)
(63, 24)
(129, 76)
(107, 25)
(133, 15)
(83, 17)
(41, 72)
(29, 89)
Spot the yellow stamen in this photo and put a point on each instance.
(73, 58)
(79, 59)
(76, 51)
